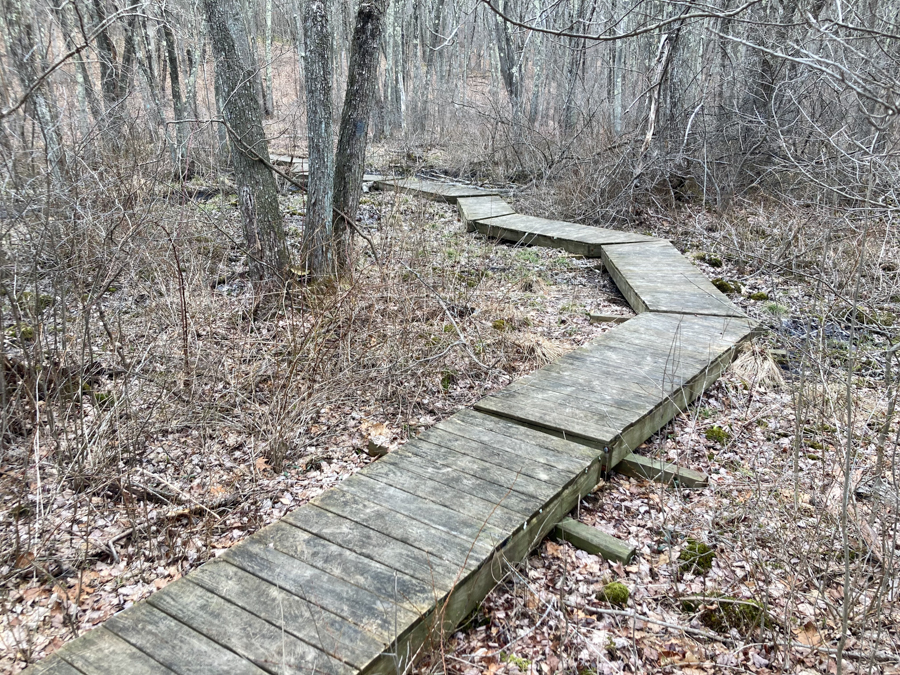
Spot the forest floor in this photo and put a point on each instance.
(770, 596)
(181, 462)
(196, 422)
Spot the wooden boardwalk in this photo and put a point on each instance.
(395, 556)
(432, 189)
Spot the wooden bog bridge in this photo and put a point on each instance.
(363, 576)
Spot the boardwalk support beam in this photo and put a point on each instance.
(593, 541)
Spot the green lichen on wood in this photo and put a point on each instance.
(615, 593)
(696, 557)
(721, 613)
(718, 435)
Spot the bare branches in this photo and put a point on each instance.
(602, 37)
(61, 61)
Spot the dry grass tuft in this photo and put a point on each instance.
(755, 366)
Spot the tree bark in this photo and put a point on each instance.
(181, 169)
(358, 100)
(318, 235)
(24, 50)
(270, 98)
(235, 71)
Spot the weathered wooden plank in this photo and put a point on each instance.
(511, 438)
(638, 466)
(511, 478)
(696, 331)
(100, 652)
(423, 510)
(365, 541)
(609, 318)
(290, 160)
(572, 237)
(345, 564)
(563, 420)
(431, 189)
(576, 405)
(176, 645)
(472, 590)
(53, 665)
(654, 276)
(585, 385)
(438, 543)
(500, 429)
(369, 612)
(260, 642)
(328, 632)
(473, 506)
(451, 472)
(594, 541)
(524, 459)
(477, 208)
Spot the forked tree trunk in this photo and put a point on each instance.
(358, 100)
(317, 235)
(257, 196)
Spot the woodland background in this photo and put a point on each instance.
(159, 401)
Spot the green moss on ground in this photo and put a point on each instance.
(726, 287)
(759, 295)
(710, 259)
(615, 593)
(25, 333)
(519, 662)
(718, 435)
(721, 613)
(696, 557)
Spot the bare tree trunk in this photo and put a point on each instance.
(86, 95)
(317, 235)
(181, 170)
(109, 78)
(235, 71)
(24, 50)
(270, 100)
(148, 69)
(351, 151)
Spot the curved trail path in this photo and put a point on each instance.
(360, 578)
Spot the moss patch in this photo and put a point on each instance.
(726, 286)
(696, 557)
(710, 259)
(759, 295)
(615, 593)
(519, 662)
(718, 435)
(722, 613)
(25, 333)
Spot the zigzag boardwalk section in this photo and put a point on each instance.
(431, 189)
(357, 580)
(472, 209)
(612, 394)
(653, 276)
(395, 556)
(533, 231)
